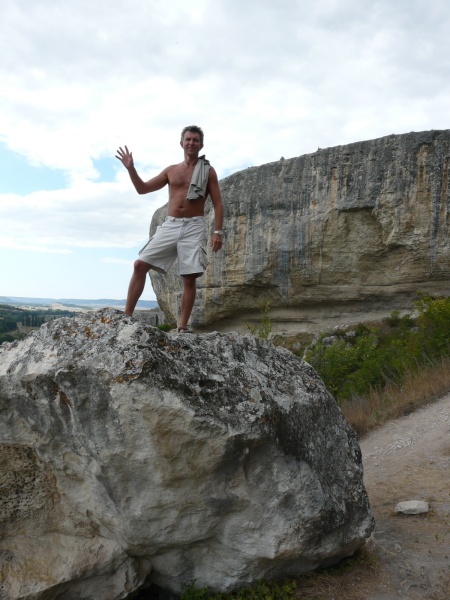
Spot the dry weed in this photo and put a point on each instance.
(393, 401)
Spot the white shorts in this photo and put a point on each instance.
(184, 238)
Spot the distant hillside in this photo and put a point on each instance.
(79, 302)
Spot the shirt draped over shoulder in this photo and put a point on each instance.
(199, 180)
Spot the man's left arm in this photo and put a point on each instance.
(216, 199)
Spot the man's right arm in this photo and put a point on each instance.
(142, 187)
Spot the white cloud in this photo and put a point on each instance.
(88, 215)
(264, 79)
(81, 78)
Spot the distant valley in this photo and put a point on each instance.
(74, 302)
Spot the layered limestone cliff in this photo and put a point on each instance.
(365, 223)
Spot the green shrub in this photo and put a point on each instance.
(347, 366)
(434, 326)
(260, 590)
(370, 358)
(6, 337)
(264, 327)
(394, 319)
(166, 326)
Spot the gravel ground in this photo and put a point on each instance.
(409, 459)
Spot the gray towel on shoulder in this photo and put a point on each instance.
(199, 180)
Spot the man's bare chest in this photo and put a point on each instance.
(180, 178)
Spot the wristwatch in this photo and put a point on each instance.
(219, 232)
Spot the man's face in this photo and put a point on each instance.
(191, 143)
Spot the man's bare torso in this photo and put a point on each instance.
(179, 178)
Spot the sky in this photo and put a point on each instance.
(263, 78)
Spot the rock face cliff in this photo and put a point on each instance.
(129, 456)
(362, 223)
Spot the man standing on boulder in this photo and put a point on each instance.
(183, 233)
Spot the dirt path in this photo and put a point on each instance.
(409, 459)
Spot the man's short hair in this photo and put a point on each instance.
(193, 129)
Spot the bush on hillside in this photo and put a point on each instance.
(353, 363)
(7, 324)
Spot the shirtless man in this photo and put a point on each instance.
(183, 233)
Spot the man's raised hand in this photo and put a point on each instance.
(125, 157)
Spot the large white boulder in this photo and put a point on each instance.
(129, 456)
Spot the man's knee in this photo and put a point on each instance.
(141, 267)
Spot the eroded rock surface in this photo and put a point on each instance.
(362, 224)
(129, 456)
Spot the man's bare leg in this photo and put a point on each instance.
(137, 284)
(187, 299)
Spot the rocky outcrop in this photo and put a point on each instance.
(129, 456)
(362, 223)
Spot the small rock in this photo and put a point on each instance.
(412, 507)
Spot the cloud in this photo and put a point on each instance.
(78, 79)
(88, 215)
(264, 79)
